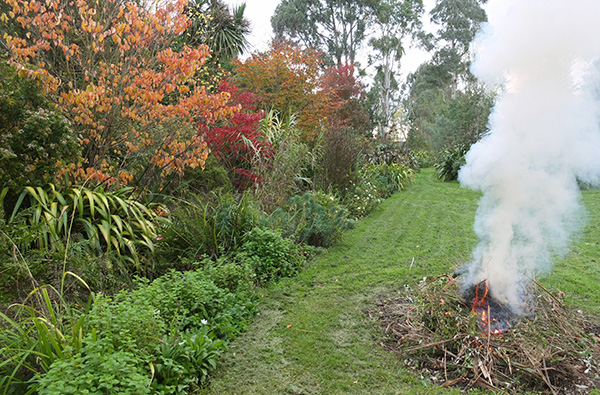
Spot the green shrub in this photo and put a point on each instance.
(176, 325)
(212, 178)
(34, 135)
(387, 178)
(98, 368)
(424, 158)
(309, 222)
(361, 197)
(450, 162)
(373, 182)
(129, 320)
(231, 273)
(270, 255)
(190, 299)
(184, 360)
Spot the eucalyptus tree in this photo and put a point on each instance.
(443, 94)
(394, 22)
(459, 21)
(337, 27)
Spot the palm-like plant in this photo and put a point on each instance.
(213, 24)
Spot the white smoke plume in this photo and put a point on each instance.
(544, 137)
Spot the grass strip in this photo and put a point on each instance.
(313, 335)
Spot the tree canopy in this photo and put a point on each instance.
(336, 27)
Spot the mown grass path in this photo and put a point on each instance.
(313, 336)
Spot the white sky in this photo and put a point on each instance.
(259, 13)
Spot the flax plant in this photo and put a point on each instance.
(106, 220)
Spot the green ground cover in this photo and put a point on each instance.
(313, 335)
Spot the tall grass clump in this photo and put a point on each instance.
(201, 226)
(284, 171)
(34, 335)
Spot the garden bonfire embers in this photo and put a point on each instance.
(492, 316)
(465, 337)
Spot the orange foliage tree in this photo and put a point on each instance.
(287, 78)
(111, 66)
(348, 99)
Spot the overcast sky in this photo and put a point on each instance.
(259, 13)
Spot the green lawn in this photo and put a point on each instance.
(313, 336)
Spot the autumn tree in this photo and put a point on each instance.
(347, 98)
(111, 67)
(237, 141)
(287, 79)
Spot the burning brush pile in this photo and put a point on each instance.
(471, 340)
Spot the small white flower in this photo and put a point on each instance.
(204, 322)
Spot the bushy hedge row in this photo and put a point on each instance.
(165, 336)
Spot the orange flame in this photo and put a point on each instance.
(481, 308)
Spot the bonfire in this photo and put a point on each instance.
(468, 339)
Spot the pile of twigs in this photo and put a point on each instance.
(556, 351)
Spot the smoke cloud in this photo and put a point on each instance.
(544, 138)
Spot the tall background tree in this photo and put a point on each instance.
(336, 27)
(445, 104)
(394, 22)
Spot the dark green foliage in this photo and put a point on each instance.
(270, 255)
(230, 273)
(214, 227)
(98, 368)
(185, 360)
(398, 153)
(341, 151)
(34, 135)
(450, 162)
(212, 179)
(465, 119)
(307, 221)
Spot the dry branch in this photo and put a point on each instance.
(434, 331)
